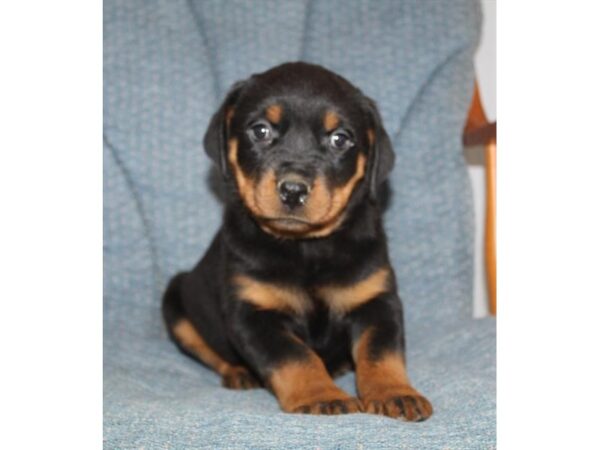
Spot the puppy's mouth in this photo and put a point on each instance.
(288, 223)
(298, 228)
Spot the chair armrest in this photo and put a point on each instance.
(478, 131)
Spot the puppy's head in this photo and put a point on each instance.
(299, 142)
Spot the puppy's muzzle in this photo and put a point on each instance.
(293, 192)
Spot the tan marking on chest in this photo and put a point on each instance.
(345, 298)
(272, 296)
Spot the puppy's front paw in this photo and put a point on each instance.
(411, 407)
(337, 406)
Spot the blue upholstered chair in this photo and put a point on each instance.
(167, 65)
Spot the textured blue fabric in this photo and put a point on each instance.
(167, 65)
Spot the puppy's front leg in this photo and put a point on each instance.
(378, 352)
(294, 372)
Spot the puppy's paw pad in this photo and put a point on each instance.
(412, 408)
(239, 378)
(331, 407)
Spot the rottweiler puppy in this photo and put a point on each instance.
(297, 284)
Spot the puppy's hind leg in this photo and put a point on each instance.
(190, 341)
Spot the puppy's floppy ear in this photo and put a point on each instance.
(382, 156)
(215, 138)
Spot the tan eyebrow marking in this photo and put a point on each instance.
(274, 113)
(331, 121)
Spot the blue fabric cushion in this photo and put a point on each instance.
(167, 66)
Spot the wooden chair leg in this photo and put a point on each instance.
(490, 223)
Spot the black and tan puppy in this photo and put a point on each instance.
(297, 284)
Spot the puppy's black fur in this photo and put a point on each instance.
(297, 285)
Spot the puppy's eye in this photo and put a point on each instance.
(340, 140)
(261, 132)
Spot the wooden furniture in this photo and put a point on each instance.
(480, 132)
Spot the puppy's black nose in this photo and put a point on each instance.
(292, 193)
